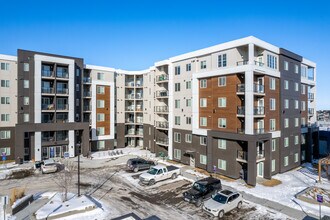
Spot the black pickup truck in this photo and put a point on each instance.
(202, 190)
(136, 164)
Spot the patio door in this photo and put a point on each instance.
(260, 169)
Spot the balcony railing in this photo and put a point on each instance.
(257, 63)
(259, 88)
(47, 121)
(161, 78)
(260, 154)
(62, 107)
(129, 120)
(48, 139)
(162, 141)
(47, 73)
(47, 107)
(49, 90)
(139, 83)
(310, 96)
(87, 94)
(62, 75)
(161, 124)
(310, 111)
(162, 93)
(240, 88)
(139, 120)
(87, 80)
(240, 130)
(130, 108)
(242, 155)
(259, 131)
(129, 84)
(161, 109)
(62, 120)
(130, 96)
(240, 110)
(87, 108)
(241, 63)
(139, 96)
(260, 110)
(131, 132)
(139, 132)
(62, 91)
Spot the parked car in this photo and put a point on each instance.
(159, 173)
(201, 190)
(223, 202)
(49, 166)
(38, 164)
(136, 164)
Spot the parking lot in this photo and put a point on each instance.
(120, 193)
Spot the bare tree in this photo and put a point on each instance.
(64, 177)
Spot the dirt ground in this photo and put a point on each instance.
(120, 194)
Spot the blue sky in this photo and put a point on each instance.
(133, 35)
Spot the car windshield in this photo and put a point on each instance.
(199, 187)
(220, 198)
(152, 171)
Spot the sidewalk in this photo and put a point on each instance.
(291, 212)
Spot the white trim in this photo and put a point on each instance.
(8, 57)
(37, 146)
(275, 134)
(171, 109)
(308, 62)
(71, 145)
(101, 68)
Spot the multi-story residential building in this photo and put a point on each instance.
(241, 108)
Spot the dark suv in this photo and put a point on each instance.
(201, 190)
(136, 164)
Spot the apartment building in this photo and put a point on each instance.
(244, 108)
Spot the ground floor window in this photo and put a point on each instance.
(53, 151)
(273, 165)
(222, 164)
(100, 145)
(177, 154)
(296, 157)
(5, 150)
(286, 161)
(203, 159)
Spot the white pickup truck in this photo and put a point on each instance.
(159, 173)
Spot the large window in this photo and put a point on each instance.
(203, 83)
(222, 102)
(203, 64)
(177, 154)
(100, 116)
(177, 137)
(222, 81)
(222, 122)
(203, 121)
(177, 120)
(272, 104)
(177, 70)
(100, 103)
(222, 60)
(5, 83)
(286, 161)
(203, 102)
(272, 124)
(203, 159)
(188, 67)
(272, 83)
(4, 134)
(222, 144)
(177, 87)
(271, 61)
(222, 164)
(100, 89)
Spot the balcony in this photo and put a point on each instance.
(62, 120)
(162, 78)
(47, 73)
(242, 156)
(241, 63)
(130, 96)
(257, 63)
(260, 155)
(129, 84)
(259, 111)
(161, 109)
(240, 88)
(62, 75)
(87, 94)
(310, 111)
(162, 94)
(131, 132)
(139, 83)
(129, 121)
(47, 139)
(240, 111)
(259, 131)
(62, 91)
(161, 125)
(240, 130)
(139, 96)
(259, 89)
(162, 141)
(139, 120)
(129, 108)
(138, 108)
(47, 107)
(87, 108)
(48, 90)
(87, 80)
(62, 107)
(310, 96)
(139, 132)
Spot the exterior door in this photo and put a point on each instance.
(260, 169)
(192, 161)
(261, 105)
(260, 126)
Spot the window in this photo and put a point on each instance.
(177, 70)
(203, 83)
(77, 87)
(286, 65)
(286, 103)
(188, 120)
(222, 144)
(286, 161)
(4, 66)
(177, 120)
(286, 84)
(303, 121)
(26, 100)
(273, 165)
(203, 64)
(100, 116)
(188, 67)
(203, 121)
(100, 76)
(4, 117)
(188, 138)
(177, 103)
(296, 87)
(100, 103)
(273, 144)
(303, 139)
(177, 87)
(272, 84)
(100, 145)
(202, 140)
(188, 102)
(296, 122)
(296, 140)
(5, 150)
(100, 90)
(5, 83)
(26, 67)
(100, 131)
(222, 164)
(271, 61)
(177, 154)
(303, 89)
(272, 125)
(26, 84)
(286, 142)
(177, 137)
(221, 81)
(26, 117)
(77, 72)
(303, 105)
(286, 122)
(222, 102)
(5, 100)
(303, 154)
(296, 104)
(296, 156)
(222, 122)
(203, 102)
(4, 134)
(202, 159)
(222, 60)
(296, 69)
(272, 104)
(77, 102)
(188, 85)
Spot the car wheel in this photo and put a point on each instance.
(198, 202)
(174, 176)
(152, 182)
(136, 170)
(221, 214)
(239, 205)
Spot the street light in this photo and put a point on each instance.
(78, 147)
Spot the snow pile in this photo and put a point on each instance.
(122, 152)
(19, 201)
(57, 208)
